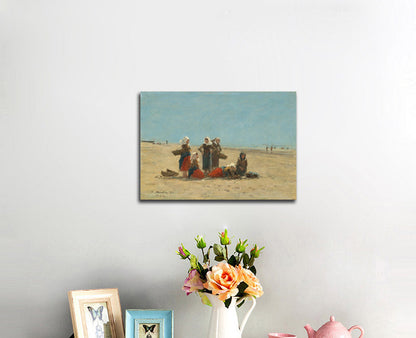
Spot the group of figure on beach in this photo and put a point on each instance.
(211, 152)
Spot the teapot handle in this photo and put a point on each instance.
(357, 327)
(243, 323)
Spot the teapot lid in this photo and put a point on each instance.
(332, 319)
(333, 327)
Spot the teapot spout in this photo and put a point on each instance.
(311, 332)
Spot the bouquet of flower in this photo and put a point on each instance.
(233, 276)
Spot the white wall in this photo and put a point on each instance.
(70, 73)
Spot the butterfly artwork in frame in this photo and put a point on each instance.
(96, 313)
(150, 330)
(97, 320)
(149, 324)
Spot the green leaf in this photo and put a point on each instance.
(227, 302)
(218, 250)
(201, 269)
(219, 258)
(242, 287)
(194, 262)
(251, 261)
(204, 298)
(253, 269)
(232, 261)
(241, 304)
(246, 258)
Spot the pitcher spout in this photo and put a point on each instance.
(311, 332)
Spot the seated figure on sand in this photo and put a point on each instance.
(185, 159)
(194, 171)
(242, 164)
(234, 170)
(217, 172)
(229, 171)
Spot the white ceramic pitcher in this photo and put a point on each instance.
(224, 322)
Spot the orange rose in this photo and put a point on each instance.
(254, 288)
(223, 280)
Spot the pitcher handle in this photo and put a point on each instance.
(243, 323)
(357, 327)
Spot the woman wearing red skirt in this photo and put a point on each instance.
(185, 159)
(194, 171)
(217, 172)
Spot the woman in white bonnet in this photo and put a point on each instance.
(185, 159)
(216, 150)
(185, 140)
(194, 171)
(206, 150)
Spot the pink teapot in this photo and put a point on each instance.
(332, 329)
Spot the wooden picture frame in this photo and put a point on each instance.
(96, 313)
(149, 323)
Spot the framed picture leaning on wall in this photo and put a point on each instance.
(149, 324)
(96, 313)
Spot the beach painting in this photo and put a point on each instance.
(217, 146)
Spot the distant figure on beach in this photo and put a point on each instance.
(216, 150)
(194, 171)
(185, 159)
(242, 164)
(271, 149)
(267, 149)
(206, 150)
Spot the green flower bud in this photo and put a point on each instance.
(241, 246)
(182, 252)
(224, 240)
(255, 252)
(200, 242)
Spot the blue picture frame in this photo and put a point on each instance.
(136, 320)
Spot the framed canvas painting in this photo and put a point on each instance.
(96, 313)
(217, 145)
(149, 324)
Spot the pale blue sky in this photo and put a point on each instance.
(241, 119)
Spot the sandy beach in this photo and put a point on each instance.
(277, 179)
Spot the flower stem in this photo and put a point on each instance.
(209, 250)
